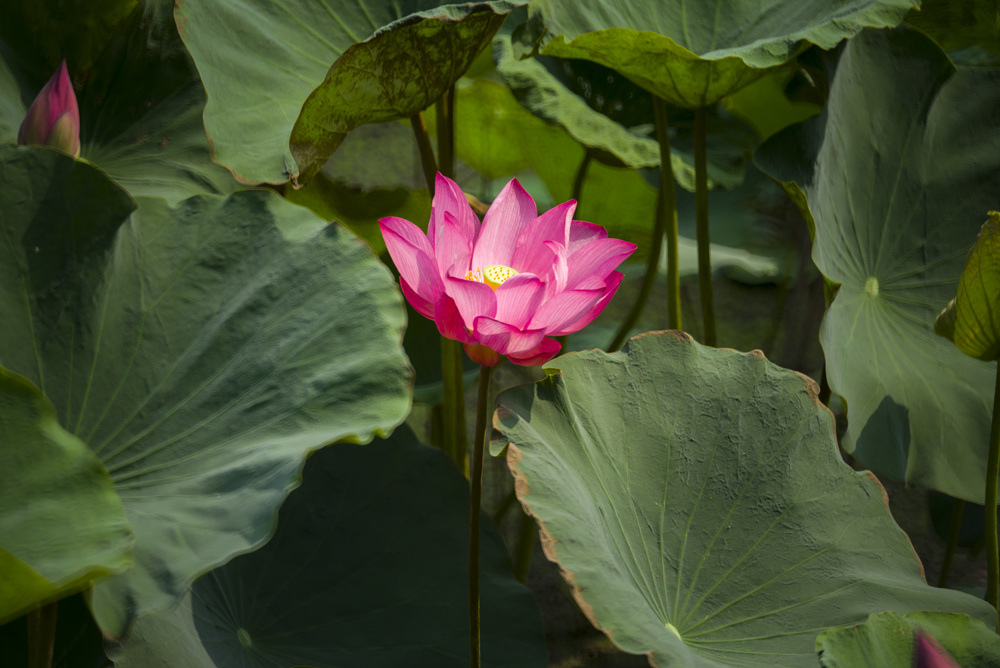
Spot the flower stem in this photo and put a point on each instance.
(953, 530)
(445, 110)
(427, 161)
(666, 223)
(992, 471)
(701, 218)
(454, 404)
(42, 636)
(482, 408)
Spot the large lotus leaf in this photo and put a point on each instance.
(201, 351)
(887, 640)
(604, 111)
(354, 577)
(255, 95)
(764, 105)
(899, 172)
(400, 71)
(61, 523)
(698, 507)
(971, 320)
(12, 107)
(694, 54)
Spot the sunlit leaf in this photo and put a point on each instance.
(697, 505)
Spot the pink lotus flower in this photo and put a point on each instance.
(53, 118)
(504, 287)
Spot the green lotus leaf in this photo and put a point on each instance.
(971, 320)
(887, 640)
(200, 350)
(353, 577)
(697, 505)
(899, 172)
(966, 30)
(256, 95)
(694, 54)
(606, 112)
(61, 523)
(400, 71)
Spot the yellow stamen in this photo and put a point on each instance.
(493, 275)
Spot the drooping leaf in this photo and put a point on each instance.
(354, 577)
(696, 502)
(61, 523)
(899, 171)
(201, 351)
(966, 30)
(256, 95)
(694, 54)
(606, 112)
(972, 320)
(400, 71)
(887, 640)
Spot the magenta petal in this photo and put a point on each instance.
(582, 233)
(613, 281)
(518, 298)
(453, 248)
(449, 320)
(422, 306)
(449, 199)
(53, 119)
(412, 261)
(565, 308)
(482, 354)
(928, 653)
(506, 339)
(539, 355)
(553, 225)
(557, 274)
(472, 298)
(503, 225)
(598, 258)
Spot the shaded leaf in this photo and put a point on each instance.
(697, 505)
(694, 54)
(972, 319)
(61, 523)
(353, 577)
(201, 351)
(966, 30)
(887, 640)
(898, 172)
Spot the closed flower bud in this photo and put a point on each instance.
(53, 118)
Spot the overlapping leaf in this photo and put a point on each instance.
(694, 54)
(899, 172)
(61, 523)
(255, 95)
(696, 502)
(201, 351)
(353, 577)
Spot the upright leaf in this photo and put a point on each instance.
(201, 351)
(899, 171)
(697, 505)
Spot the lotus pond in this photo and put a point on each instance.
(510, 334)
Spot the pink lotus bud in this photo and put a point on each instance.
(53, 118)
(928, 653)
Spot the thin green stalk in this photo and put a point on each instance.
(992, 471)
(427, 161)
(445, 110)
(581, 175)
(525, 546)
(953, 528)
(666, 223)
(454, 404)
(482, 408)
(42, 636)
(701, 219)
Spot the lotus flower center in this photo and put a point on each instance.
(493, 275)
